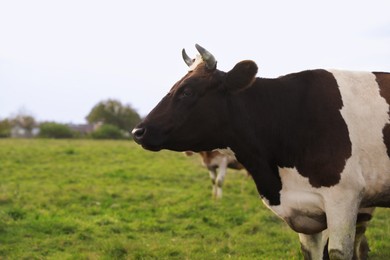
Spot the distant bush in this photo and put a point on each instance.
(5, 128)
(108, 132)
(55, 130)
(113, 112)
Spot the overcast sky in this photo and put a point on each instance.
(60, 58)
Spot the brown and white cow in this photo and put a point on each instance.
(217, 163)
(317, 142)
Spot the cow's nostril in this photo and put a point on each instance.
(138, 133)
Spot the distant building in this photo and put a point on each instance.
(83, 129)
(17, 131)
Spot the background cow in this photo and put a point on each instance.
(217, 163)
(317, 143)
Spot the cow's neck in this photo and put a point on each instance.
(256, 140)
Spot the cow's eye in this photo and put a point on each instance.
(186, 93)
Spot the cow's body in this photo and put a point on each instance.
(217, 164)
(317, 143)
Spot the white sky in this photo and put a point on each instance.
(59, 58)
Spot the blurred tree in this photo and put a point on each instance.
(113, 112)
(55, 130)
(5, 128)
(107, 132)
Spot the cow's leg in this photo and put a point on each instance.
(313, 245)
(222, 168)
(341, 214)
(361, 245)
(213, 177)
(361, 248)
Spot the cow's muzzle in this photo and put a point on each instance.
(148, 143)
(138, 133)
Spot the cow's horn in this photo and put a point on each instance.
(186, 58)
(211, 63)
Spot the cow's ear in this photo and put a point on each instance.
(241, 76)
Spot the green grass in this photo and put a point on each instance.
(84, 199)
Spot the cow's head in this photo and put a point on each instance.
(194, 115)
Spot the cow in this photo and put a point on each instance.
(316, 142)
(217, 164)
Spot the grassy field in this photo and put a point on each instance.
(84, 199)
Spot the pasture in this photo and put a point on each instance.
(84, 199)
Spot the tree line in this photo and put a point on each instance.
(108, 119)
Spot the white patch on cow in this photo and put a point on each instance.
(228, 152)
(366, 173)
(304, 207)
(198, 60)
(298, 197)
(365, 112)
